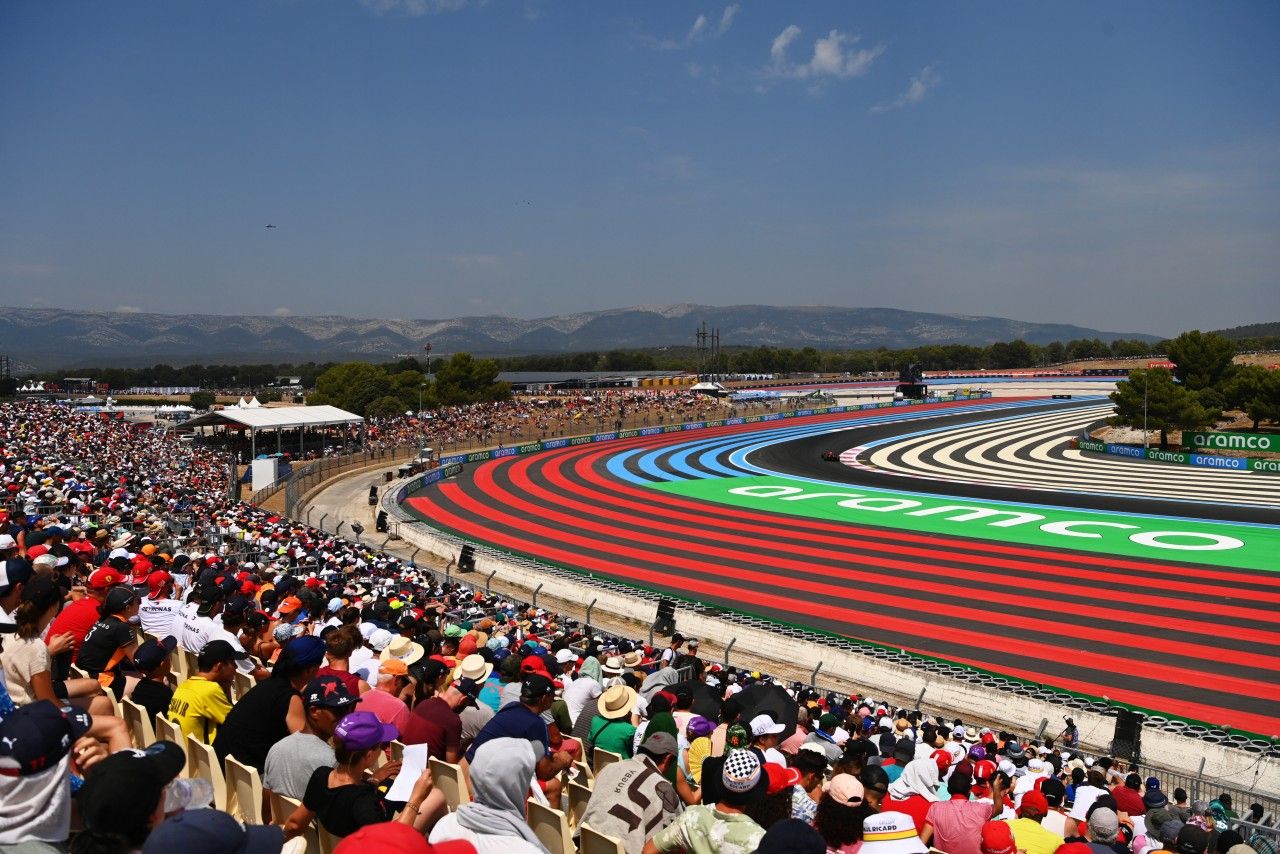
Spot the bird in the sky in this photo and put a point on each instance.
(269, 225)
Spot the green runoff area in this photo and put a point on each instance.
(1211, 543)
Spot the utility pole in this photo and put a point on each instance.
(702, 336)
(1146, 382)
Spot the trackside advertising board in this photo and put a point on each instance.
(1185, 458)
(1232, 441)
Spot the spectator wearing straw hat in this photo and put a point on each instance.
(613, 729)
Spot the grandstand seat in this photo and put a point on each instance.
(397, 751)
(140, 727)
(579, 795)
(240, 685)
(328, 841)
(551, 826)
(594, 842)
(167, 730)
(585, 776)
(178, 663)
(203, 762)
(77, 673)
(602, 757)
(244, 791)
(448, 779)
(190, 660)
(282, 807)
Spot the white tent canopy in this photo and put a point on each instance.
(276, 418)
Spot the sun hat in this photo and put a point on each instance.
(632, 659)
(1103, 824)
(402, 649)
(473, 667)
(612, 666)
(363, 731)
(617, 702)
(846, 789)
(891, 833)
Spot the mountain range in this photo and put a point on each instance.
(55, 338)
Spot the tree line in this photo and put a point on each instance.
(1194, 394)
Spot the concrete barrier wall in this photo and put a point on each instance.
(945, 695)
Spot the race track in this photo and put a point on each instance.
(1167, 606)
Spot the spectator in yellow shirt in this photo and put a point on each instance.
(201, 703)
(1027, 832)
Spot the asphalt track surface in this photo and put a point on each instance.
(1194, 641)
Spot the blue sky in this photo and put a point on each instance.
(1115, 165)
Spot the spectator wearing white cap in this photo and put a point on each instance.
(766, 733)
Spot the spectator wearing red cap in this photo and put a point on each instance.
(158, 610)
(1031, 836)
(955, 825)
(77, 618)
(401, 838)
(997, 838)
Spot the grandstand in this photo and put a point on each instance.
(296, 679)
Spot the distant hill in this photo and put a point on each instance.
(53, 338)
(1253, 330)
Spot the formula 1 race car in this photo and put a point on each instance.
(830, 456)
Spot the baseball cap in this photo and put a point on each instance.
(393, 667)
(152, 652)
(846, 789)
(328, 692)
(217, 652)
(1191, 840)
(660, 744)
(119, 598)
(104, 577)
(566, 656)
(469, 688)
(36, 737)
(401, 838)
(363, 731)
(765, 725)
(290, 605)
(1053, 790)
(1033, 802)
(156, 582)
(891, 833)
(302, 651)
(7, 542)
(210, 831)
(535, 687)
(780, 777)
(997, 838)
(123, 790)
(13, 571)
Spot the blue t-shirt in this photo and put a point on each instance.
(514, 720)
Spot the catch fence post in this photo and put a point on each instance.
(1195, 787)
(732, 641)
(920, 699)
(535, 595)
(488, 583)
(338, 530)
(813, 677)
(322, 518)
(589, 607)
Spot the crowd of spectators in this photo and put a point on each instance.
(312, 656)
(544, 416)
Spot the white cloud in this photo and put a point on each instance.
(833, 57)
(127, 309)
(920, 85)
(726, 18)
(700, 30)
(282, 311)
(413, 8)
(780, 44)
